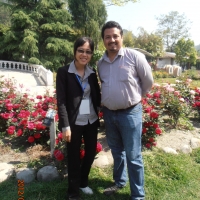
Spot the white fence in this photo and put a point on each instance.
(39, 70)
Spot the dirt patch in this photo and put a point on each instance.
(177, 138)
(18, 151)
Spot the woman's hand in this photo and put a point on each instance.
(66, 135)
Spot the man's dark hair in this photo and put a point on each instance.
(111, 24)
(81, 41)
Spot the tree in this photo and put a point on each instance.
(88, 16)
(172, 27)
(152, 43)
(4, 14)
(185, 51)
(128, 38)
(118, 2)
(40, 33)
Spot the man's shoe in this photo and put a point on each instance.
(111, 190)
(86, 190)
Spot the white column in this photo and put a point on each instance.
(52, 136)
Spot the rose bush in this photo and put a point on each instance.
(22, 115)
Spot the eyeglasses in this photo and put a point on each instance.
(81, 51)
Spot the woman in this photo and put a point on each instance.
(78, 96)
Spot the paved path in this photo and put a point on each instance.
(31, 83)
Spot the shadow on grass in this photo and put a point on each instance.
(57, 190)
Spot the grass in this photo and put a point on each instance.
(167, 177)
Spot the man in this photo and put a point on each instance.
(125, 77)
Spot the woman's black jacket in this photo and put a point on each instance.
(69, 95)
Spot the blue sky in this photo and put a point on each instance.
(142, 14)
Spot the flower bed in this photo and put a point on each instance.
(22, 116)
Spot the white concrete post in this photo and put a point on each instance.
(52, 129)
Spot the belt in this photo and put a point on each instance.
(118, 110)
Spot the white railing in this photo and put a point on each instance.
(39, 70)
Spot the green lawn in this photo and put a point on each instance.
(167, 177)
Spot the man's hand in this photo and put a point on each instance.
(66, 135)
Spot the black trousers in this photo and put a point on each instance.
(78, 170)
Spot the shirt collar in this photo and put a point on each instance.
(120, 53)
(72, 69)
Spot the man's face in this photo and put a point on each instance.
(112, 40)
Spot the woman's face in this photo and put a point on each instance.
(83, 55)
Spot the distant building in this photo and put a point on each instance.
(167, 59)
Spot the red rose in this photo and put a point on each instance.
(156, 94)
(82, 153)
(158, 131)
(11, 130)
(100, 114)
(58, 155)
(19, 132)
(57, 140)
(158, 101)
(99, 147)
(151, 140)
(148, 145)
(38, 97)
(144, 130)
(155, 125)
(34, 114)
(154, 115)
(31, 139)
(147, 110)
(37, 135)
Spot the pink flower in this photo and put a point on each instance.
(99, 147)
(34, 114)
(31, 139)
(16, 106)
(30, 125)
(14, 120)
(11, 130)
(188, 80)
(182, 99)
(176, 93)
(5, 90)
(192, 92)
(38, 97)
(60, 135)
(170, 89)
(148, 109)
(6, 115)
(156, 94)
(9, 106)
(158, 101)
